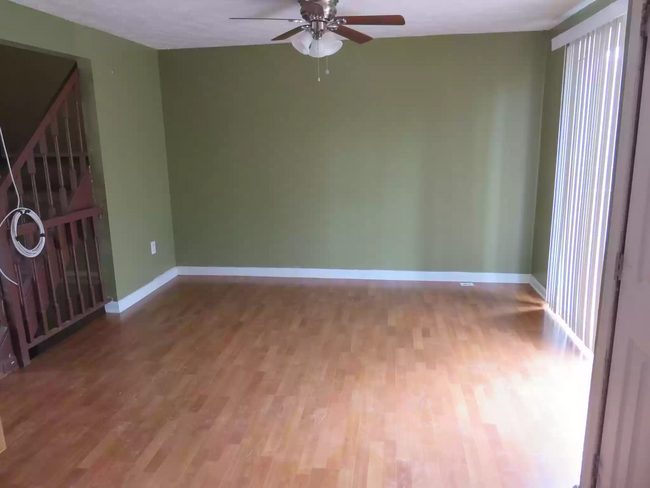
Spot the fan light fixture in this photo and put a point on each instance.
(319, 22)
(302, 42)
(327, 45)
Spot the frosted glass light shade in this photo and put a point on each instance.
(326, 46)
(302, 42)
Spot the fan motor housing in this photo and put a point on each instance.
(328, 7)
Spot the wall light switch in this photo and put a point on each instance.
(153, 247)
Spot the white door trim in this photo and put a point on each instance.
(615, 238)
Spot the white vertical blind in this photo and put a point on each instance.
(583, 181)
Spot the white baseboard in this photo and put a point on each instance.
(355, 274)
(557, 320)
(537, 286)
(341, 274)
(337, 274)
(129, 300)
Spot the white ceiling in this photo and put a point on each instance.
(170, 24)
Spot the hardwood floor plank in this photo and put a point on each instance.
(235, 382)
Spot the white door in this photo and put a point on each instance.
(625, 448)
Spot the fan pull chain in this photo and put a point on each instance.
(327, 65)
(318, 58)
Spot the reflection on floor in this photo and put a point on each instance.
(279, 383)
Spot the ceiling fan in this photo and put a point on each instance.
(315, 36)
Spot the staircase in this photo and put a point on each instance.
(63, 284)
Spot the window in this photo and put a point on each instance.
(583, 181)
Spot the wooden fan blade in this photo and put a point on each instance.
(266, 18)
(289, 34)
(372, 19)
(353, 35)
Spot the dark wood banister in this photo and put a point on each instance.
(25, 229)
(70, 225)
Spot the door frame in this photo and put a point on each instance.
(635, 48)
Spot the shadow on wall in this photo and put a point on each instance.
(29, 82)
(493, 197)
(508, 189)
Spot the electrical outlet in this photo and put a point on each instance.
(153, 247)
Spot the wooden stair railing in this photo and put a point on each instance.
(52, 173)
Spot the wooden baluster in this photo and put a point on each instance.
(48, 183)
(19, 186)
(42, 313)
(28, 302)
(21, 293)
(50, 278)
(59, 241)
(63, 194)
(4, 320)
(84, 238)
(72, 244)
(66, 125)
(3, 310)
(83, 157)
(11, 292)
(31, 168)
(93, 224)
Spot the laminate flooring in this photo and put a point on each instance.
(241, 382)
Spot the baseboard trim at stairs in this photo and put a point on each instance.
(537, 286)
(130, 300)
(355, 274)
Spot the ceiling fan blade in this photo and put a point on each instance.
(266, 18)
(276, 7)
(372, 19)
(353, 35)
(289, 34)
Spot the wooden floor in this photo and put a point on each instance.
(269, 383)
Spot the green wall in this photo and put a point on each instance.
(122, 104)
(547, 163)
(413, 154)
(26, 93)
(420, 153)
(548, 149)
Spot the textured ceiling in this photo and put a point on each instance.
(169, 24)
